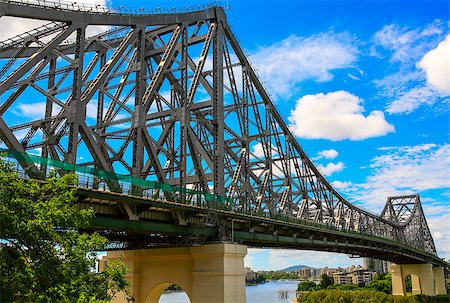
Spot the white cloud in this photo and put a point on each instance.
(327, 154)
(403, 170)
(281, 258)
(284, 64)
(400, 170)
(258, 150)
(330, 168)
(405, 44)
(336, 116)
(342, 184)
(30, 110)
(439, 227)
(12, 26)
(436, 64)
(423, 75)
(411, 100)
(276, 259)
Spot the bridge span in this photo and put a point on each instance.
(179, 150)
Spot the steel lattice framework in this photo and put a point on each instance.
(170, 97)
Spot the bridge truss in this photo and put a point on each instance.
(169, 97)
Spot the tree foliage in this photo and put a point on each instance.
(279, 275)
(43, 255)
(306, 286)
(408, 283)
(383, 285)
(344, 287)
(365, 296)
(325, 281)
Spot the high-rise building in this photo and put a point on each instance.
(378, 266)
(359, 277)
(304, 273)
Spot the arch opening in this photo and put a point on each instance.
(168, 293)
(408, 284)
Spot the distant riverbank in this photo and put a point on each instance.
(261, 293)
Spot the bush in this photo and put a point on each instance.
(306, 286)
(380, 285)
(344, 287)
(365, 296)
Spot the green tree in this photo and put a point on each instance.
(325, 281)
(382, 282)
(380, 285)
(43, 255)
(408, 284)
(343, 287)
(371, 264)
(306, 286)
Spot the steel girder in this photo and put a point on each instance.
(413, 229)
(171, 98)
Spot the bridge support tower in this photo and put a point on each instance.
(208, 273)
(425, 279)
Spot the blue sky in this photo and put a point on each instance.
(365, 87)
(354, 81)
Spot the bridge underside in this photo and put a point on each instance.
(160, 224)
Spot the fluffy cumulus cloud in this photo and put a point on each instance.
(336, 116)
(12, 26)
(436, 64)
(330, 168)
(327, 154)
(423, 76)
(284, 64)
(341, 184)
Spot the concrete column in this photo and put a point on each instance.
(439, 280)
(426, 279)
(421, 278)
(398, 284)
(415, 285)
(131, 261)
(208, 273)
(219, 274)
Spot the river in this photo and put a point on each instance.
(262, 293)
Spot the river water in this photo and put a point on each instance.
(262, 293)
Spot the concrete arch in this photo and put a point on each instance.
(157, 291)
(422, 279)
(415, 283)
(208, 273)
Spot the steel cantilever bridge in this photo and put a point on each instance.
(174, 138)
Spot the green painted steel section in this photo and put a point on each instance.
(98, 175)
(140, 226)
(178, 199)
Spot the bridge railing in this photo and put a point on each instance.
(93, 178)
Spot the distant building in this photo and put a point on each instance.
(341, 278)
(304, 273)
(378, 266)
(353, 268)
(359, 277)
(250, 275)
(327, 271)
